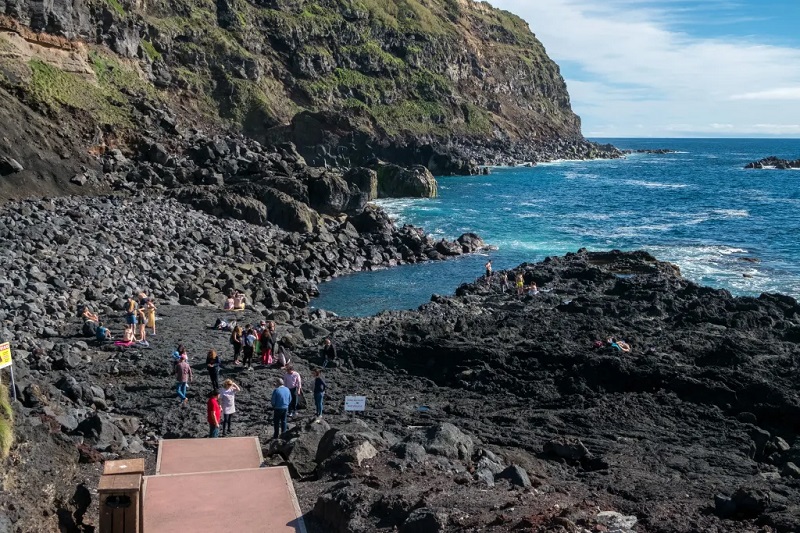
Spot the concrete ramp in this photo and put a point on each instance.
(212, 485)
(187, 456)
(245, 501)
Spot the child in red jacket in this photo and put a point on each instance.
(214, 414)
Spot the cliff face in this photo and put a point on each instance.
(422, 81)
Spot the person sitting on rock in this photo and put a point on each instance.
(238, 301)
(229, 303)
(328, 352)
(102, 333)
(282, 357)
(532, 289)
(88, 315)
(129, 336)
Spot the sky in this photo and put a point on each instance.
(674, 68)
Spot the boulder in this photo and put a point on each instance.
(287, 212)
(344, 506)
(302, 458)
(223, 204)
(372, 220)
(101, 431)
(615, 521)
(572, 449)
(395, 181)
(330, 194)
(424, 520)
(516, 475)
(9, 165)
(313, 331)
(470, 242)
(128, 424)
(448, 441)
(412, 452)
(365, 179)
(70, 387)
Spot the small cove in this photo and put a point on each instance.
(697, 208)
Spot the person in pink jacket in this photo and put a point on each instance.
(294, 383)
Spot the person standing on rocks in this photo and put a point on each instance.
(183, 375)
(141, 320)
(504, 282)
(488, 272)
(130, 312)
(520, 282)
(281, 399)
(267, 343)
(212, 363)
(294, 383)
(319, 393)
(214, 414)
(249, 346)
(227, 399)
(150, 312)
(236, 341)
(328, 352)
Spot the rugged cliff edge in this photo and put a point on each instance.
(449, 84)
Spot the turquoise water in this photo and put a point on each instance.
(698, 208)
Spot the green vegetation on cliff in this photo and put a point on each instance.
(430, 68)
(418, 67)
(6, 423)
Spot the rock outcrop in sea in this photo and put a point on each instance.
(774, 162)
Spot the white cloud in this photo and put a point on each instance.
(781, 93)
(633, 68)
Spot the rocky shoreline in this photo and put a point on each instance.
(486, 410)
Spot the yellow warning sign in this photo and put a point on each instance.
(5, 355)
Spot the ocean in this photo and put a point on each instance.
(725, 226)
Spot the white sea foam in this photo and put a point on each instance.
(574, 175)
(654, 184)
(732, 213)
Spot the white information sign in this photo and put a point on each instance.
(355, 403)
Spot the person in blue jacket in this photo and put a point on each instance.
(281, 397)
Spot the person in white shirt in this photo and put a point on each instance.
(227, 401)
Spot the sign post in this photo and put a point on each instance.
(352, 404)
(5, 360)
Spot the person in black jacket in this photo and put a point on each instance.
(328, 352)
(319, 392)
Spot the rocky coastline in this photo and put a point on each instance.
(486, 410)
